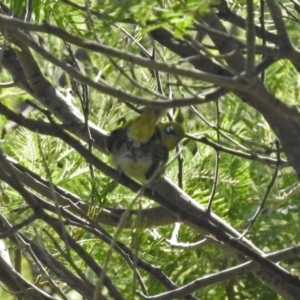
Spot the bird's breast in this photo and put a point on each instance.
(133, 161)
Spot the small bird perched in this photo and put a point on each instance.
(143, 159)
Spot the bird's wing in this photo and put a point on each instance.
(116, 139)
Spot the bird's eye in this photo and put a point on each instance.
(170, 129)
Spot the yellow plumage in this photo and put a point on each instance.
(141, 147)
(141, 128)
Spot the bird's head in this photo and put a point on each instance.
(173, 133)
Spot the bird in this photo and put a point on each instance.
(146, 158)
(141, 128)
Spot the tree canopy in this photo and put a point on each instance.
(224, 220)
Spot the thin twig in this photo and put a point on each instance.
(262, 205)
(217, 165)
(263, 33)
(17, 227)
(250, 34)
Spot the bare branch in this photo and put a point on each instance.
(250, 34)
